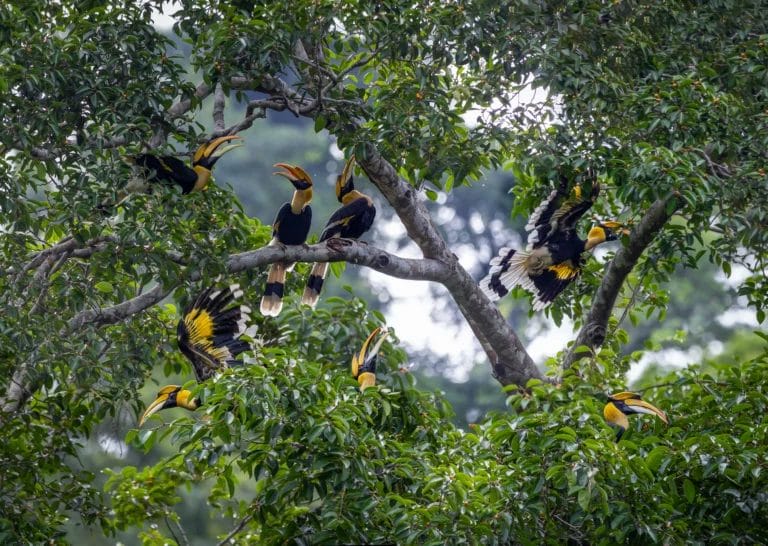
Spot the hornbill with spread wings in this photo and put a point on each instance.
(555, 253)
(290, 227)
(170, 169)
(208, 334)
(350, 221)
(364, 361)
(625, 403)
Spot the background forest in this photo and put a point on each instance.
(485, 428)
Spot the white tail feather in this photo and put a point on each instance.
(509, 269)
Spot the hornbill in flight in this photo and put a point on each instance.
(167, 168)
(364, 361)
(290, 227)
(554, 255)
(624, 403)
(350, 221)
(209, 336)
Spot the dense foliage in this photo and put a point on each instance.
(665, 101)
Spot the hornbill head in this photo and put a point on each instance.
(625, 403)
(295, 174)
(170, 396)
(344, 182)
(209, 153)
(364, 361)
(604, 231)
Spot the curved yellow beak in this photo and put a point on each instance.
(170, 396)
(295, 175)
(214, 148)
(364, 361)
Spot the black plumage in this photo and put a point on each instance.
(350, 221)
(291, 227)
(555, 253)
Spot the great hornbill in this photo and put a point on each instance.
(350, 221)
(171, 169)
(364, 361)
(290, 227)
(624, 403)
(209, 336)
(554, 255)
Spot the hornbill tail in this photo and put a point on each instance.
(314, 284)
(272, 300)
(508, 269)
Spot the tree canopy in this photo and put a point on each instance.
(665, 103)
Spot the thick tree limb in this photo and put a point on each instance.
(336, 250)
(119, 312)
(22, 386)
(510, 361)
(593, 332)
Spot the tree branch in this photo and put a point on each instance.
(593, 333)
(239, 527)
(337, 250)
(219, 101)
(510, 361)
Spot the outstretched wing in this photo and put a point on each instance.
(559, 212)
(209, 332)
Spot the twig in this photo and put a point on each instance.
(239, 527)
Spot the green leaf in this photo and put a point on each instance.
(689, 490)
(104, 287)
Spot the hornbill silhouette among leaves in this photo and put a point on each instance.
(364, 361)
(290, 227)
(209, 336)
(554, 255)
(625, 403)
(350, 221)
(171, 169)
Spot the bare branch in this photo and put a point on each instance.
(509, 359)
(239, 527)
(593, 332)
(183, 106)
(219, 101)
(336, 250)
(121, 311)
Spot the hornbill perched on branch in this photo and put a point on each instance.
(624, 403)
(209, 336)
(350, 221)
(364, 361)
(554, 255)
(171, 169)
(290, 227)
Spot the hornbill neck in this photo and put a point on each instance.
(596, 236)
(300, 200)
(203, 177)
(350, 196)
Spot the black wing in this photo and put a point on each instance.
(168, 169)
(351, 220)
(559, 212)
(290, 228)
(208, 333)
